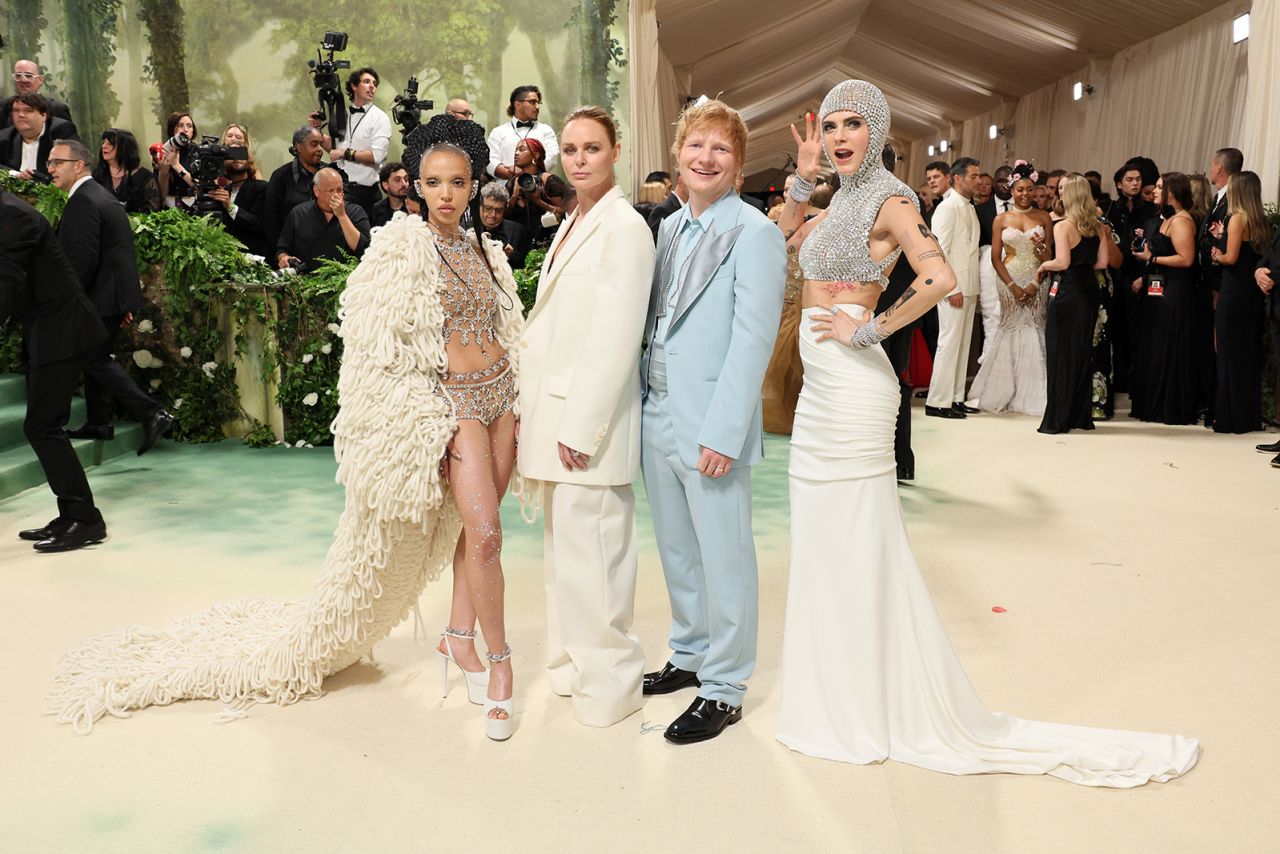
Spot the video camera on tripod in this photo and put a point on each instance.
(328, 86)
(209, 170)
(406, 109)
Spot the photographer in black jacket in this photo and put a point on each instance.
(244, 196)
(290, 185)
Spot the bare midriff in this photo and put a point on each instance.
(469, 358)
(816, 293)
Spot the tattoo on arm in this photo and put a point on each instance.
(925, 256)
(925, 232)
(789, 233)
(906, 295)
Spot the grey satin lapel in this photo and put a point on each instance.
(707, 256)
(664, 247)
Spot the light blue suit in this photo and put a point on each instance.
(715, 341)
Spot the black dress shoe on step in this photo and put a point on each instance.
(967, 410)
(157, 424)
(1273, 448)
(1275, 463)
(703, 720)
(940, 412)
(37, 534)
(669, 679)
(103, 432)
(74, 536)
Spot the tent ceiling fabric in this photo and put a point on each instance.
(937, 64)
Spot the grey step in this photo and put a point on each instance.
(13, 388)
(13, 414)
(20, 470)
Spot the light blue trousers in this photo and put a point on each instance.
(703, 528)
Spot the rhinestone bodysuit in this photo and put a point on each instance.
(838, 249)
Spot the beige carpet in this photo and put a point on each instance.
(1138, 566)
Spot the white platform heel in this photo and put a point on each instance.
(499, 729)
(477, 683)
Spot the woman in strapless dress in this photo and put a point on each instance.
(1012, 376)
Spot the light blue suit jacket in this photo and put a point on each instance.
(721, 332)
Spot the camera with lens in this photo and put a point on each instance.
(528, 183)
(209, 170)
(178, 140)
(407, 109)
(328, 86)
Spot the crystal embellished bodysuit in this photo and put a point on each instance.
(470, 303)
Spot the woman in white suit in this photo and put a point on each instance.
(580, 426)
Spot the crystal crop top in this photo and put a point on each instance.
(838, 248)
(470, 296)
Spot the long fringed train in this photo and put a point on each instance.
(397, 532)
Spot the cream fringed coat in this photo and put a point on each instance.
(398, 529)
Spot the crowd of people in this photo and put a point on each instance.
(1161, 292)
(293, 216)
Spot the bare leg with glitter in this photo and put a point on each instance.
(479, 471)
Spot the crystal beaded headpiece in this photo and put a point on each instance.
(868, 101)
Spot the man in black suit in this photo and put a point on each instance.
(747, 197)
(59, 325)
(24, 148)
(244, 203)
(98, 242)
(27, 80)
(898, 348)
(674, 201)
(1126, 214)
(1266, 275)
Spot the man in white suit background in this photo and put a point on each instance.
(580, 426)
(955, 225)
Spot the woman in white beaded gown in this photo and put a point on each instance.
(867, 670)
(1012, 376)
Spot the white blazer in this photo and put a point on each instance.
(955, 224)
(580, 353)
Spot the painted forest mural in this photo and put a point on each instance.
(129, 63)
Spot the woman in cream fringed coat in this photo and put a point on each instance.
(580, 426)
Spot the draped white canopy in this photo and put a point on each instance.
(1166, 79)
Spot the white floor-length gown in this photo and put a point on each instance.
(868, 672)
(1012, 376)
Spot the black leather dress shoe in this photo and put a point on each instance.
(74, 536)
(1273, 448)
(103, 432)
(669, 679)
(1275, 463)
(37, 534)
(940, 412)
(157, 424)
(703, 720)
(967, 410)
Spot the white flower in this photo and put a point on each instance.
(177, 404)
(334, 328)
(311, 399)
(209, 368)
(327, 349)
(306, 358)
(186, 352)
(144, 359)
(146, 326)
(300, 443)
(155, 384)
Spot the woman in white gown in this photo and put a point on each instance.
(1012, 376)
(868, 672)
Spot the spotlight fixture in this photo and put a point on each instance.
(1240, 29)
(942, 146)
(993, 132)
(1081, 89)
(932, 151)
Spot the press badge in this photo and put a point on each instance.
(1155, 285)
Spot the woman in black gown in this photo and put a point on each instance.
(1238, 321)
(1082, 243)
(1171, 387)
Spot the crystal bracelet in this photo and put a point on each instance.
(867, 335)
(801, 188)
